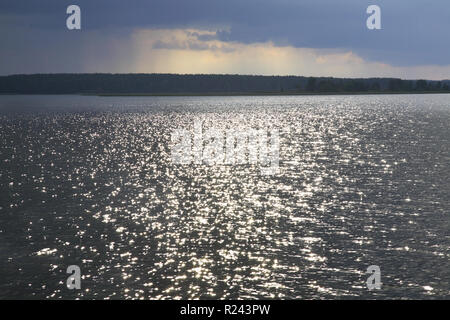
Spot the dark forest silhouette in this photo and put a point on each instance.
(129, 84)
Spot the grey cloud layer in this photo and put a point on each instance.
(415, 32)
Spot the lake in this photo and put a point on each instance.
(89, 181)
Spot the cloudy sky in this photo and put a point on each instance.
(283, 37)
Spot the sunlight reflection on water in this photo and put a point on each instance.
(88, 181)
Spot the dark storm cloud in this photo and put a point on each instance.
(413, 32)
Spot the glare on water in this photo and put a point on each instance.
(89, 181)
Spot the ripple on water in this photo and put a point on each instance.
(88, 181)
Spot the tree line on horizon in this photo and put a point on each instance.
(206, 84)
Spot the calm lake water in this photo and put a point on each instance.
(89, 181)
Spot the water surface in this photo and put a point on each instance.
(88, 181)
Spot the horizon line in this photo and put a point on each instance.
(212, 74)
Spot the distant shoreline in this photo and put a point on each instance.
(211, 85)
(226, 94)
(240, 94)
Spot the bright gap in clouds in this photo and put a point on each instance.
(189, 51)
